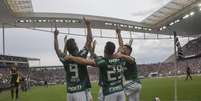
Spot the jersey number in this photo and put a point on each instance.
(114, 71)
(74, 69)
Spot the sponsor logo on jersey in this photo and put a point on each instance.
(75, 88)
(116, 88)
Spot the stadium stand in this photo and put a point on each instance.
(51, 74)
(56, 74)
(191, 49)
(167, 68)
(5, 63)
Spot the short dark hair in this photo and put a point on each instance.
(71, 45)
(69, 42)
(129, 47)
(109, 48)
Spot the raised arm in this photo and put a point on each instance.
(65, 40)
(56, 43)
(93, 46)
(130, 42)
(92, 51)
(89, 34)
(118, 32)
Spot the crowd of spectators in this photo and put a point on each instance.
(53, 74)
(56, 74)
(193, 47)
(6, 62)
(169, 69)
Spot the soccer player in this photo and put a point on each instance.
(110, 73)
(132, 85)
(77, 78)
(15, 82)
(188, 73)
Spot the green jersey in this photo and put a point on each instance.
(130, 71)
(77, 78)
(110, 71)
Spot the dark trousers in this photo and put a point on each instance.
(15, 88)
(188, 76)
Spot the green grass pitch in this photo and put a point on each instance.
(162, 87)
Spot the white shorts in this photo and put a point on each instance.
(132, 90)
(79, 96)
(90, 96)
(118, 96)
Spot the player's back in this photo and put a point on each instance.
(77, 77)
(111, 74)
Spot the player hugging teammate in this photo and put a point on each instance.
(113, 67)
(132, 86)
(77, 78)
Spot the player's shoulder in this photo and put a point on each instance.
(133, 59)
(83, 52)
(100, 57)
(100, 60)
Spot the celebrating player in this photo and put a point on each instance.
(132, 85)
(110, 73)
(77, 77)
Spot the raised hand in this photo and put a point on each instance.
(86, 21)
(130, 42)
(120, 40)
(65, 41)
(93, 46)
(56, 32)
(56, 43)
(89, 37)
(118, 30)
(92, 50)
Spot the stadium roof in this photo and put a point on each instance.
(178, 15)
(20, 6)
(167, 11)
(182, 16)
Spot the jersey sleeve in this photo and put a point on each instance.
(132, 59)
(61, 57)
(99, 61)
(83, 53)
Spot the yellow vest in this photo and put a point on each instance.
(18, 79)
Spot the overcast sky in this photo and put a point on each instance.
(135, 10)
(36, 44)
